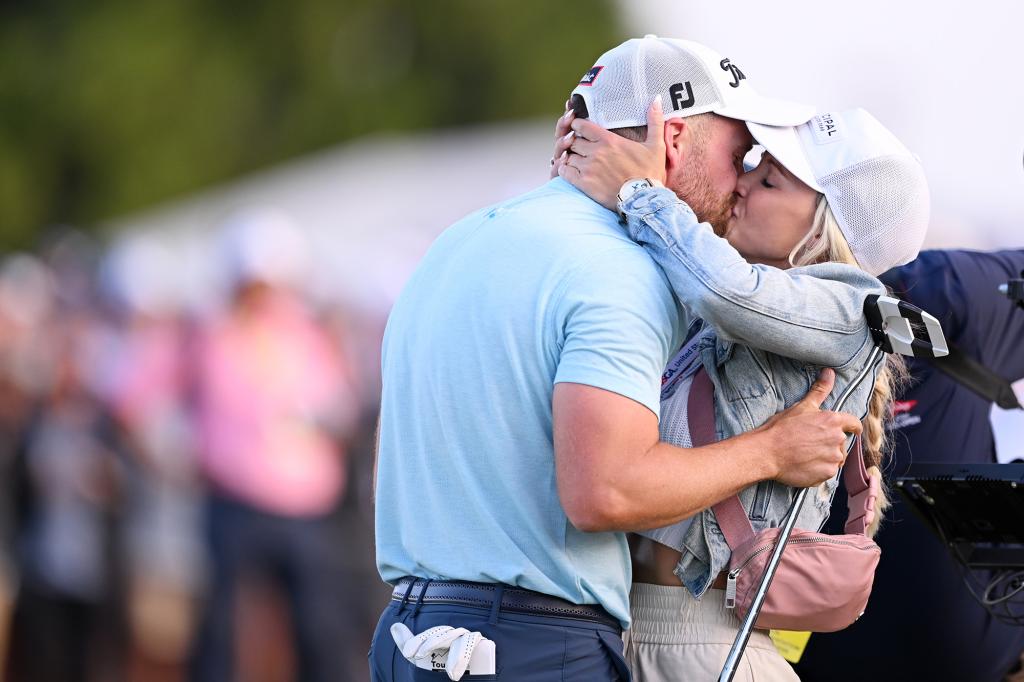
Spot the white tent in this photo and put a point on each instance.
(371, 208)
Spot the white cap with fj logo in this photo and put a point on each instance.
(689, 77)
(875, 186)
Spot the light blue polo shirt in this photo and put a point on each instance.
(540, 289)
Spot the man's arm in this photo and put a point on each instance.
(614, 474)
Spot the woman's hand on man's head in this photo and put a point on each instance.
(563, 139)
(598, 161)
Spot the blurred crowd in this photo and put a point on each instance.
(186, 493)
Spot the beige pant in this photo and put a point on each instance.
(676, 637)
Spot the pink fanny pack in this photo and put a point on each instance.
(823, 581)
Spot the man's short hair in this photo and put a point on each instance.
(635, 133)
(699, 123)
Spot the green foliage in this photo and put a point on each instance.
(107, 107)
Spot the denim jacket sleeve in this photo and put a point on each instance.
(812, 313)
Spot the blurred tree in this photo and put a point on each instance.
(107, 107)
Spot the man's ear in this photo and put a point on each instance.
(677, 145)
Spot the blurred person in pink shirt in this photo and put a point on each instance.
(270, 404)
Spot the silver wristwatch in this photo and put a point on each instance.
(631, 187)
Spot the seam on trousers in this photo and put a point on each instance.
(565, 652)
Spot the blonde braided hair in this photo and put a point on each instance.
(825, 242)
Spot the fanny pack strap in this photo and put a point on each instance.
(862, 489)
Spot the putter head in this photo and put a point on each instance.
(901, 327)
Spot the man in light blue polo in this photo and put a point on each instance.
(521, 381)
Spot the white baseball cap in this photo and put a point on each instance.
(690, 79)
(264, 244)
(875, 186)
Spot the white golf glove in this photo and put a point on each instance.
(453, 650)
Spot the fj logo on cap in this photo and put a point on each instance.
(737, 75)
(675, 95)
(826, 128)
(590, 76)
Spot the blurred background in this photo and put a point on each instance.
(206, 210)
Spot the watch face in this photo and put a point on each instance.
(632, 187)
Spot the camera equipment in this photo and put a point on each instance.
(979, 378)
(975, 509)
(1014, 290)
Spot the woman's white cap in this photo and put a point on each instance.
(875, 186)
(690, 79)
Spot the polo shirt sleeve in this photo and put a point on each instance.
(618, 321)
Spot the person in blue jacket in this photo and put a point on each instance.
(921, 622)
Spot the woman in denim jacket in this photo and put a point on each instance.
(832, 204)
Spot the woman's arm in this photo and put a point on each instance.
(812, 313)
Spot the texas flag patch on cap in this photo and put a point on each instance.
(590, 76)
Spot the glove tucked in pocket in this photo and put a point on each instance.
(454, 651)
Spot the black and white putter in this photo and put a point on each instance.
(896, 327)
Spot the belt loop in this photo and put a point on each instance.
(419, 600)
(499, 592)
(408, 591)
